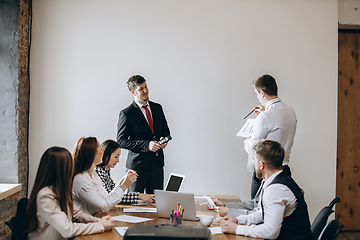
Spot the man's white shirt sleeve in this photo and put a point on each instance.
(279, 202)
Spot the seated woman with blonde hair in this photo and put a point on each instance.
(51, 213)
(88, 193)
(110, 158)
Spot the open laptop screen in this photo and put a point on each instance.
(175, 182)
(167, 201)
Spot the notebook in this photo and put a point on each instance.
(175, 182)
(166, 201)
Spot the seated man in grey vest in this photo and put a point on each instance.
(283, 212)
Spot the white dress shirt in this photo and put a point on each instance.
(277, 123)
(90, 196)
(143, 109)
(278, 202)
(55, 224)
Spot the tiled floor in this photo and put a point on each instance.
(348, 236)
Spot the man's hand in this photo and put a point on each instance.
(163, 145)
(222, 211)
(154, 146)
(219, 203)
(258, 109)
(229, 225)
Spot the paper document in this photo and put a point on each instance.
(200, 199)
(139, 210)
(121, 230)
(210, 201)
(130, 219)
(247, 129)
(140, 203)
(215, 230)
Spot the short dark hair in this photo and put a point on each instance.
(84, 154)
(266, 83)
(272, 153)
(134, 81)
(109, 146)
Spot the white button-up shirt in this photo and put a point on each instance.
(277, 123)
(143, 109)
(278, 202)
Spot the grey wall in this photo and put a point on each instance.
(199, 58)
(9, 38)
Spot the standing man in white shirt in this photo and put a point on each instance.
(283, 213)
(275, 121)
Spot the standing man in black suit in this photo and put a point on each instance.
(141, 125)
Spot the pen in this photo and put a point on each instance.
(249, 113)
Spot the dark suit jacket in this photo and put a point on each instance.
(134, 134)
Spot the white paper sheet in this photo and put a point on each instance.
(200, 199)
(210, 201)
(215, 230)
(139, 210)
(247, 129)
(121, 230)
(130, 219)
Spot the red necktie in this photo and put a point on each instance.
(149, 118)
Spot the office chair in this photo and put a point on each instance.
(321, 219)
(17, 223)
(331, 231)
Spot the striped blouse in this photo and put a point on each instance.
(108, 184)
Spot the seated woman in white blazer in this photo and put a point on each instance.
(51, 213)
(88, 193)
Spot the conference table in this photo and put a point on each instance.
(201, 209)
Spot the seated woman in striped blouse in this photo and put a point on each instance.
(110, 158)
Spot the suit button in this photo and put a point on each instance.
(154, 137)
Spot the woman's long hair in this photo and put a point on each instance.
(109, 146)
(55, 171)
(84, 154)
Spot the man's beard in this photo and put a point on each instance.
(259, 174)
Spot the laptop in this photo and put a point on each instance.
(167, 200)
(175, 182)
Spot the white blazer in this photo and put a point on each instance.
(90, 196)
(55, 224)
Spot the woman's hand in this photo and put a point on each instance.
(129, 178)
(108, 224)
(146, 197)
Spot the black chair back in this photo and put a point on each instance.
(321, 219)
(17, 223)
(331, 231)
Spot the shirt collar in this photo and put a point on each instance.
(271, 102)
(141, 105)
(271, 178)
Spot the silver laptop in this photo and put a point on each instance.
(166, 201)
(174, 182)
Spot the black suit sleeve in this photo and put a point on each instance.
(124, 133)
(165, 131)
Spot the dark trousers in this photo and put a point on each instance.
(148, 181)
(256, 182)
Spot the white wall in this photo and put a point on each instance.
(349, 13)
(199, 58)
